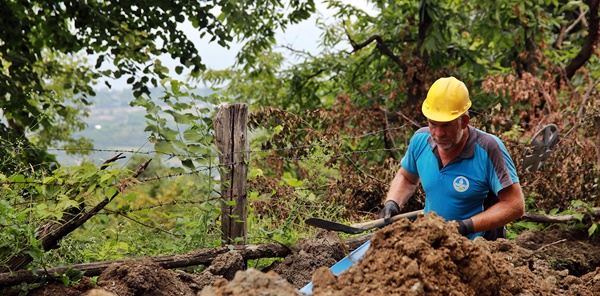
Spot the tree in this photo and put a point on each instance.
(397, 52)
(122, 39)
(537, 59)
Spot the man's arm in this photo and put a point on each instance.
(402, 187)
(510, 207)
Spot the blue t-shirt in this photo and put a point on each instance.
(458, 190)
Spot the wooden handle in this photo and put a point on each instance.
(381, 222)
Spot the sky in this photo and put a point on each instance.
(303, 36)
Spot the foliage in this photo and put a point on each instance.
(582, 211)
(34, 206)
(45, 85)
(327, 133)
(41, 121)
(526, 64)
(174, 207)
(182, 128)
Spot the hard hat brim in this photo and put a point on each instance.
(442, 116)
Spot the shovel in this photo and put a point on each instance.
(360, 227)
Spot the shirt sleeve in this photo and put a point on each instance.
(504, 171)
(409, 161)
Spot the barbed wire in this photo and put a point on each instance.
(165, 204)
(256, 151)
(254, 157)
(208, 168)
(126, 216)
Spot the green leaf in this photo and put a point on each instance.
(188, 163)
(578, 216)
(593, 229)
(192, 135)
(106, 177)
(164, 147)
(111, 191)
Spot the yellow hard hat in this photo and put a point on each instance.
(447, 99)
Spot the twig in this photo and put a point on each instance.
(363, 172)
(414, 123)
(138, 222)
(110, 160)
(554, 243)
(381, 46)
(585, 98)
(345, 248)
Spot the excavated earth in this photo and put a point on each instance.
(424, 257)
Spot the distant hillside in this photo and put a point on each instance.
(114, 124)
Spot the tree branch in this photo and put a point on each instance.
(591, 41)
(381, 45)
(565, 30)
(543, 218)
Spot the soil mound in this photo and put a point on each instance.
(429, 257)
(424, 257)
(142, 277)
(252, 283)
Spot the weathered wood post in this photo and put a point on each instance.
(231, 128)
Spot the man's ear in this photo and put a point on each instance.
(465, 120)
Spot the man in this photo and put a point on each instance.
(467, 175)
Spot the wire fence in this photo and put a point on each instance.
(257, 155)
(260, 156)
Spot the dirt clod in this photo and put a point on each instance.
(142, 277)
(252, 283)
(324, 250)
(227, 265)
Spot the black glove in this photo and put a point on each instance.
(465, 227)
(390, 209)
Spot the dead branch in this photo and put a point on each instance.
(196, 257)
(587, 94)
(111, 160)
(545, 218)
(381, 45)
(551, 244)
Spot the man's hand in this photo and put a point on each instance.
(390, 209)
(465, 227)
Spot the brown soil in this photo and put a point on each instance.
(424, 257)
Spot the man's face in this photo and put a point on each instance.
(446, 134)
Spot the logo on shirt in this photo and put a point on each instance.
(461, 184)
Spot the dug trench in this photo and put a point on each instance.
(423, 257)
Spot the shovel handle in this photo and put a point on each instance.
(382, 222)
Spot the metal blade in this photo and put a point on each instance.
(360, 227)
(334, 226)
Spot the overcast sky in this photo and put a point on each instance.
(302, 36)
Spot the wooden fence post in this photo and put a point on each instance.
(231, 128)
